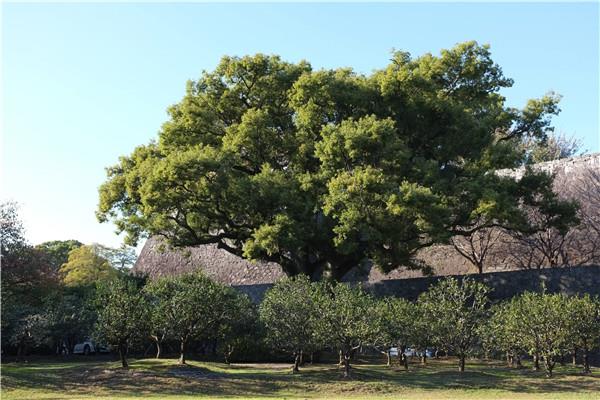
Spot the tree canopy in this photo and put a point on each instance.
(318, 170)
(85, 267)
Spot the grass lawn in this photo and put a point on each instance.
(83, 378)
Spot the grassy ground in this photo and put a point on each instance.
(82, 378)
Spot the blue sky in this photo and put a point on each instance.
(83, 84)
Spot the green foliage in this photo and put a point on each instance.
(239, 327)
(395, 320)
(288, 312)
(86, 267)
(455, 310)
(188, 306)
(320, 170)
(345, 319)
(546, 325)
(583, 324)
(122, 313)
(58, 251)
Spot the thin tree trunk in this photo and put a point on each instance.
(574, 358)
(423, 359)
(295, 368)
(518, 361)
(158, 349)
(586, 362)
(182, 351)
(549, 365)
(347, 365)
(461, 363)
(536, 362)
(388, 359)
(122, 355)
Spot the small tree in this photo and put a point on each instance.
(345, 319)
(422, 335)
(159, 294)
(122, 314)
(288, 313)
(456, 311)
(503, 331)
(190, 305)
(583, 322)
(542, 319)
(239, 323)
(395, 319)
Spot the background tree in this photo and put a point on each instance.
(85, 267)
(27, 278)
(288, 312)
(345, 319)
(70, 315)
(58, 251)
(552, 147)
(456, 310)
(122, 314)
(320, 170)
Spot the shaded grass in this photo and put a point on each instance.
(46, 379)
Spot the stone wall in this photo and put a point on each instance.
(570, 281)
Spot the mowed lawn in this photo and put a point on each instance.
(82, 378)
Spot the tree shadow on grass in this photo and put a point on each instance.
(160, 377)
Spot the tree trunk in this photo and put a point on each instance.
(347, 365)
(158, 349)
(301, 358)
(388, 359)
(461, 363)
(586, 362)
(295, 368)
(549, 365)
(20, 351)
(574, 358)
(182, 351)
(536, 362)
(122, 355)
(405, 361)
(517, 359)
(341, 359)
(423, 359)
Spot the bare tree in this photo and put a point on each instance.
(477, 246)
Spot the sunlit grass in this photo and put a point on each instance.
(150, 378)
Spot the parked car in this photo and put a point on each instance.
(88, 347)
(408, 352)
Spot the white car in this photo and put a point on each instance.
(88, 347)
(408, 352)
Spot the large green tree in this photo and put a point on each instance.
(318, 170)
